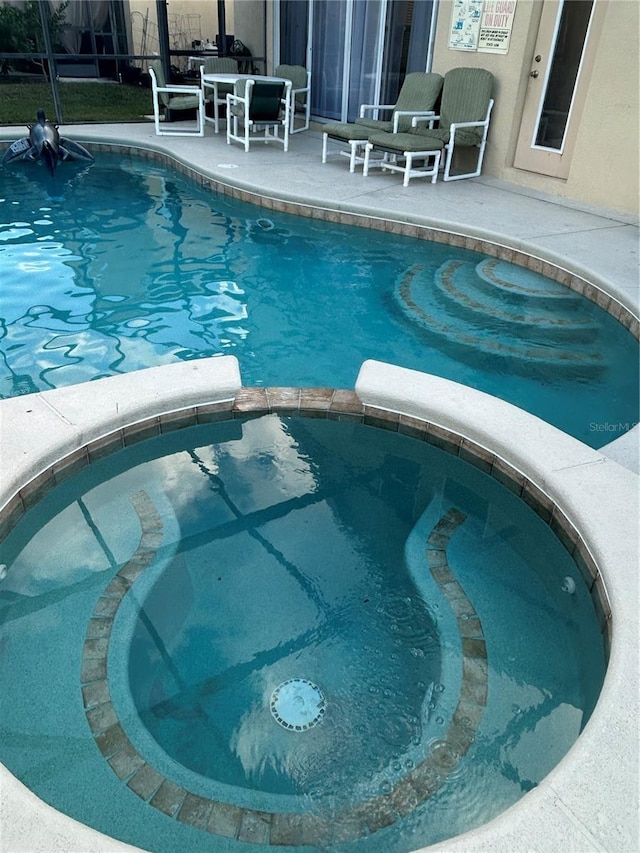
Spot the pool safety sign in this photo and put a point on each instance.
(496, 26)
(465, 24)
(482, 25)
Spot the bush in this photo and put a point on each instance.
(21, 31)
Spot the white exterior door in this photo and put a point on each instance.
(558, 79)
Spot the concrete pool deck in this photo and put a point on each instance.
(589, 802)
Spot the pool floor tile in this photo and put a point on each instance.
(195, 811)
(145, 782)
(95, 693)
(168, 798)
(224, 820)
(99, 627)
(111, 740)
(255, 827)
(94, 669)
(290, 830)
(101, 717)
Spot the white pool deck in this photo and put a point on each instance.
(590, 800)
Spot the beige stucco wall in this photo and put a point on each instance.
(249, 24)
(606, 159)
(605, 162)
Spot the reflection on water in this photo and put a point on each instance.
(278, 549)
(122, 266)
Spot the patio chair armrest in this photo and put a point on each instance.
(180, 90)
(233, 99)
(364, 107)
(287, 98)
(431, 118)
(417, 114)
(458, 124)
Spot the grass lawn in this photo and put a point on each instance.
(81, 102)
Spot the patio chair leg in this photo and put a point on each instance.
(365, 167)
(407, 168)
(447, 163)
(352, 158)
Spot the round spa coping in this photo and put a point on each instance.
(584, 789)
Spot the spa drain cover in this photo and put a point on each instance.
(297, 704)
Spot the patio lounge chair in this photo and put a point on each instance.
(417, 97)
(168, 97)
(263, 105)
(463, 122)
(300, 94)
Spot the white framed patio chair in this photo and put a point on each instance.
(217, 65)
(465, 112)
(263, 105)
(300, 107)
(169, 97)
(417, 97)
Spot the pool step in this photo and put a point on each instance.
(538, 317)
(519, 285)
(449, 308)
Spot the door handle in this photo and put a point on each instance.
(533, 73)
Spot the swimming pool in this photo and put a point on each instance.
(143, 267)
(229, 596)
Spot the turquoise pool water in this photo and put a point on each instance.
(125, 265)
(422, 598)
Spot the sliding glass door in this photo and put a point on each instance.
(359, 51)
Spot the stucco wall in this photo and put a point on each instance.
(604, 165)
(606, 159)
(249, 26)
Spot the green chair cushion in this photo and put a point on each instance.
(375, 124)
(346, 131)
(296, 73)
(298, 76)
(465, 97)
(173, 102)
(468, 136)
(220, 65)
(266, 102)
(265, 106)
(183, 102)
(419, 92)
(399, 142)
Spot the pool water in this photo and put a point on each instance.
(126, 265)
(421, 597)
